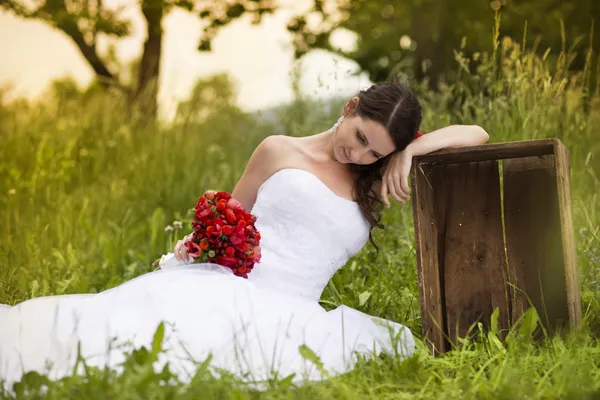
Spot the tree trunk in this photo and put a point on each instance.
(147, 86)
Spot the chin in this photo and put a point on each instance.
(341, 157)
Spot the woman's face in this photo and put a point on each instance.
(361, 141)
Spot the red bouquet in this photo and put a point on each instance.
(224, 233)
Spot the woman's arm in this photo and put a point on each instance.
(448, 137)
(395, 176)
(257, 171)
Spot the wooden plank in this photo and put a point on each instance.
(474, 265)
(563, 182)
(496, 151)
(428, 268)
(533, 238)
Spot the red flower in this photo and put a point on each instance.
(223, 195)
(236, 239)
(230, 216)
(224, 233)
(193, 249)
(227, 261)
(221, 205)
(244, 247)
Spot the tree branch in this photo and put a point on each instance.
(68, 24)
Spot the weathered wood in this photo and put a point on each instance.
(463, 270)
(563, 182)
(473, 268)
(533, 240)
(497, 151)
(426, 235)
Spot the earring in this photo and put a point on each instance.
(339, 121)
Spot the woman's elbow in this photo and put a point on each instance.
(480, 134)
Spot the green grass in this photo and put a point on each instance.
(86, 192)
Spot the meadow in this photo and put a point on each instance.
(89, 192)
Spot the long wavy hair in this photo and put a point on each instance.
(395, 107)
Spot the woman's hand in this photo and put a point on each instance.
(180, 250)
(395, 177)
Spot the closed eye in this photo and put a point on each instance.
(363, 141)
(360, 138)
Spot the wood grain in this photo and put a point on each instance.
(563, 182)
(428, 263)
(533, 238)
(467, 266)
(486, 152)
(474, 265)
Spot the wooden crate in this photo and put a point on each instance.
(493, 227)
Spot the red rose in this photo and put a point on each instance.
(221, 205)
(230, 216)
(202, 214)
(223, 195)
(244, 247)
(230, 251)
(227, 229)
(226, 261)
(236, 239)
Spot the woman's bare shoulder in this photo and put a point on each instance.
(276, 149)
(266, 159)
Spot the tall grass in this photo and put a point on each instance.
(87, 191)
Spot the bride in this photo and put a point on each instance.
(316, 199)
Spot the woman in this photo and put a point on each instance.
(317, 200)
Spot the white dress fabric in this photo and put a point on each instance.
(252, 327)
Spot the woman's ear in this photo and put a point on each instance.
(350, 106)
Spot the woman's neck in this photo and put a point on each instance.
(321, 145)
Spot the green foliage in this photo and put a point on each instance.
(84, 21)
(88, 200)
(417, 38)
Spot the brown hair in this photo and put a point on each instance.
(395, 107)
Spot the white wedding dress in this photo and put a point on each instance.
(252, 327)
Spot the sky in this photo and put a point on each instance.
(259, 58)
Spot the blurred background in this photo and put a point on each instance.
(327, 47)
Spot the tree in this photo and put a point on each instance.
(419, 37)
(83, 21)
